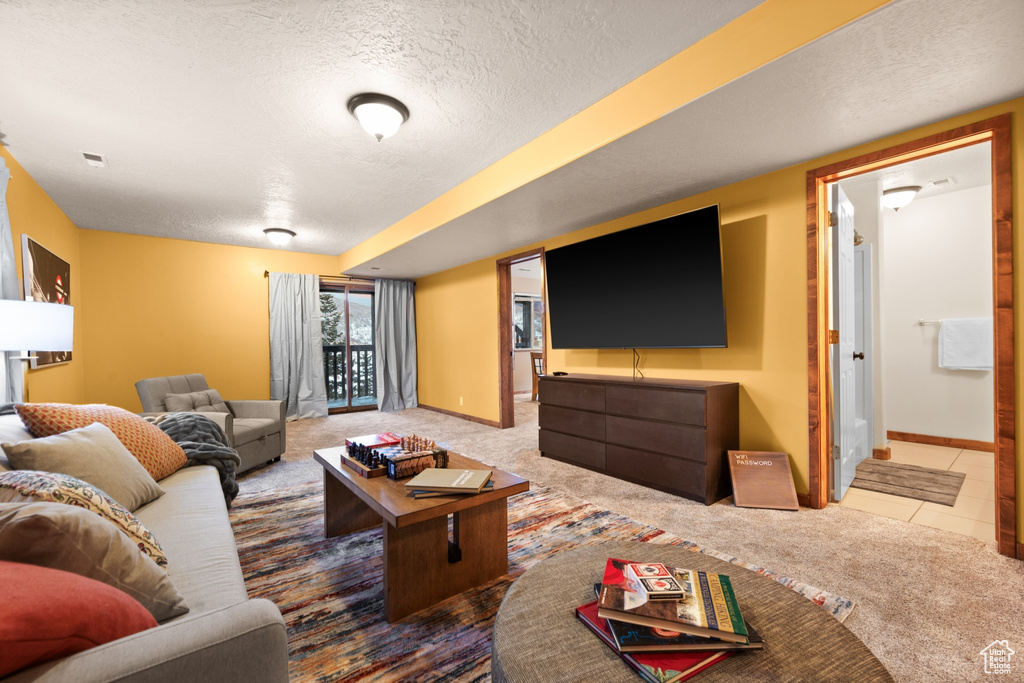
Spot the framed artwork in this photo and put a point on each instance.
(47, 278)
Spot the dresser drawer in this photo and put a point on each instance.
(686, 407)
(582, 395)
(573, 449)
(659, 471)
(684, 441)
(569, 421)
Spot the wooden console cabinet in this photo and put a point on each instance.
(670, 435)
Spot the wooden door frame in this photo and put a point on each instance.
(506, 402)
(997, 131)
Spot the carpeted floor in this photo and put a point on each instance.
(909, 481)
(928, 601)
(329, 590)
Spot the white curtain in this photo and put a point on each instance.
(395, 337)
(12, 389)
(296, 346)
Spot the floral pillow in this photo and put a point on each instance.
(21, 485)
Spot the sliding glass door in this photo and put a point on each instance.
(346, 319)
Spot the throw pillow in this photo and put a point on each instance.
(49, 614)
(92, 454)
(75, 540)
(155, 450)
(18, 485)
(207, 401)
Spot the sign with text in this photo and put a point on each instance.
(762, 479)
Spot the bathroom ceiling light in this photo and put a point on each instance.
(279, 236)
(379, 115)
(898, 197)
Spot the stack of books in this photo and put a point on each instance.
(445, 482)
(666, 623)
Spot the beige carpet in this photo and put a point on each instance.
(928, 601)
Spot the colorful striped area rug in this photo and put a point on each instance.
(329, 590)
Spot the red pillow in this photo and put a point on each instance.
(49, 614)
(155, 450)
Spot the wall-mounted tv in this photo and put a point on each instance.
(657, 285)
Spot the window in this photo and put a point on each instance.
(528, 322)
(346, 320)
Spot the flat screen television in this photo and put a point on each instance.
(657, 285)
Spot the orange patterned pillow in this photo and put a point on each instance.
(155, 450)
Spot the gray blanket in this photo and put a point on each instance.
(204, 443)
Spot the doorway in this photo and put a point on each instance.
(521, 328)
(922, 275)
(347, 325)
(821, 436)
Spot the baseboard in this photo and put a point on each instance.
(1020, 551)
(462, 416)
(986, 446)
(881, 453)
(803, 499)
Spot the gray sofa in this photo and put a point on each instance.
(224, 637)
(255, 429)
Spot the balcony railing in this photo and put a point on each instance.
(364, 390)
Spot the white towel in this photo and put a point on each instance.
(965, 344)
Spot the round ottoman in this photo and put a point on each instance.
(538, 638)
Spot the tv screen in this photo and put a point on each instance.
(657, 285)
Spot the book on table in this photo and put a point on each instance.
(636, 638)
(449, 480)
(489, 486)
(374, 440)
(654, 667)
(709, 608)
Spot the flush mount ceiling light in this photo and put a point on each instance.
(279, 236)
(379, 115)
(898, 197)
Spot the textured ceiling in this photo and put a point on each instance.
(221, 118)
(908, 64)
(963, 168)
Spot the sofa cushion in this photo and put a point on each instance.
(21, 486)
(12, 430)
(191, 521)
(49, 614)
(251, 428)
(155, 450)
(208, 401)
(92, 454)
(74, 539)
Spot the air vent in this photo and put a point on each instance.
(97, 160)
(942, 182)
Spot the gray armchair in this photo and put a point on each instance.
(256, 429)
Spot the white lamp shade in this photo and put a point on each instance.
(898, 197)
(378, 119)
(36, 326)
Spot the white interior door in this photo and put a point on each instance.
(864, 373)
(844, 388)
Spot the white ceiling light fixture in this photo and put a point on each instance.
(279, 236)
(379, 115)
(898, 197)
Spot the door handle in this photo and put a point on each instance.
(858, 356)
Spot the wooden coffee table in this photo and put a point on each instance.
(425, 559)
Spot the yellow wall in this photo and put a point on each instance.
(457, 340)
(765, 266)
(33, 213)
(161, 307)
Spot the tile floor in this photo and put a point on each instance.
(974, 513)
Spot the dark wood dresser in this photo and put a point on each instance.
(670, 435)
